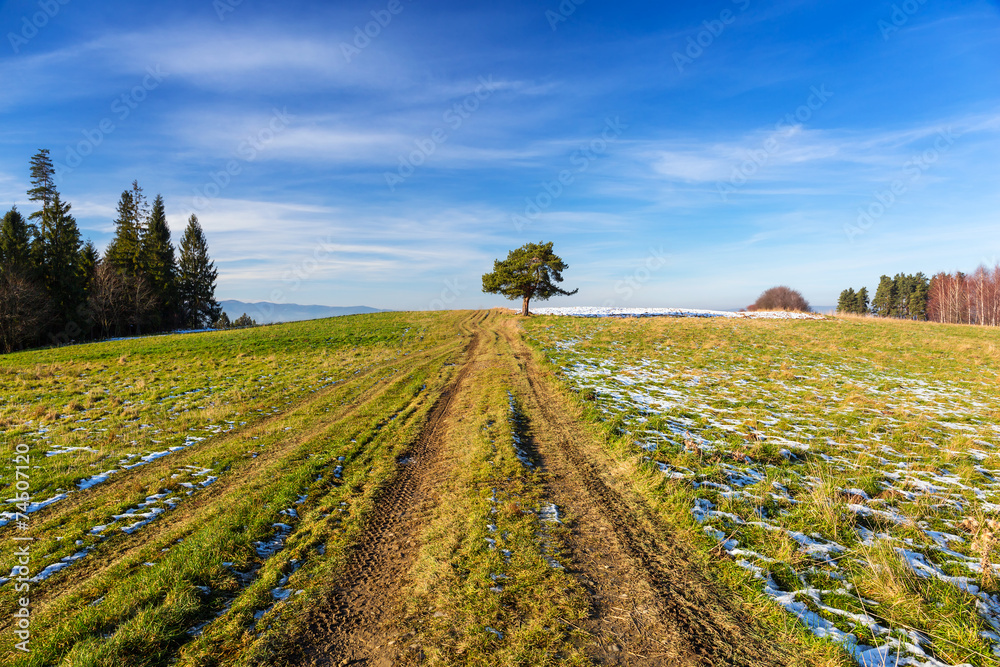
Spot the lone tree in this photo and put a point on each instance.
(529, 272)
(780, 298)
(196, 276)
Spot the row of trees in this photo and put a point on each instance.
(55, 288)
(240, 322)
(903, 296)
(956, 298)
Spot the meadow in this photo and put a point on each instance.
(182, 486)
(847, 470)
(474, 488)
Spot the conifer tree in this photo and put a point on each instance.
(15, 242)
(847, 301)
(43, 182)
(861, 301)
(57, 253)
(529, 272)
(885, 297)
(89, 259)
(125, 250)
(159, 262)
(196, 278)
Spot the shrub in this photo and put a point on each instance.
(780, 298)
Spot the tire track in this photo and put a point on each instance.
(652, 605)
(357, 622)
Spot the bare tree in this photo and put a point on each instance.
(24, 310)
(108, 300)
(142, 300)
(780, 298)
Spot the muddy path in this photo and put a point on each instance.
(652, 605)
(358, 623)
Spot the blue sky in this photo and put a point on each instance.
(677, 155)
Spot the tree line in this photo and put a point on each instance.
(955, 298)
(55, 288)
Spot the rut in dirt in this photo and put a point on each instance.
(652, 605)
(358, 622)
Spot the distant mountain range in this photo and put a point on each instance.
(265, 312)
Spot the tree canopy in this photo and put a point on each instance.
(530, 272)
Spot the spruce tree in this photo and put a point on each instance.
(57, 251)
(125, 250)
(43, 182)
(159, 262)
(15, 242)
(89, 258)
(196, 279)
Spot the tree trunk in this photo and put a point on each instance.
(524, 306)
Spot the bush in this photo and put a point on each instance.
(780, 298)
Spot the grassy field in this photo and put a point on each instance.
(848, 470)
(199, 499)
(186, 488)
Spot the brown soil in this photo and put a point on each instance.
(359, 623)
(651, 603)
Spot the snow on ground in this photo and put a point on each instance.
(602, 311)
(760, 451)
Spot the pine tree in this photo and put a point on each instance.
(885, 297)
(24, 306)
(196, 279)
(160, 264)
(89, 258)
(847, 301)
(244, 320)
(57, 252)
(43, 182)
(861, 301)
(918, 299)
(530, 272)
(125, 250)
(15, 242)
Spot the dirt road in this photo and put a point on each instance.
(650, 603)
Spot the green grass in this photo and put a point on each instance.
(490, 588)
(777, 423)
(297, 425)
